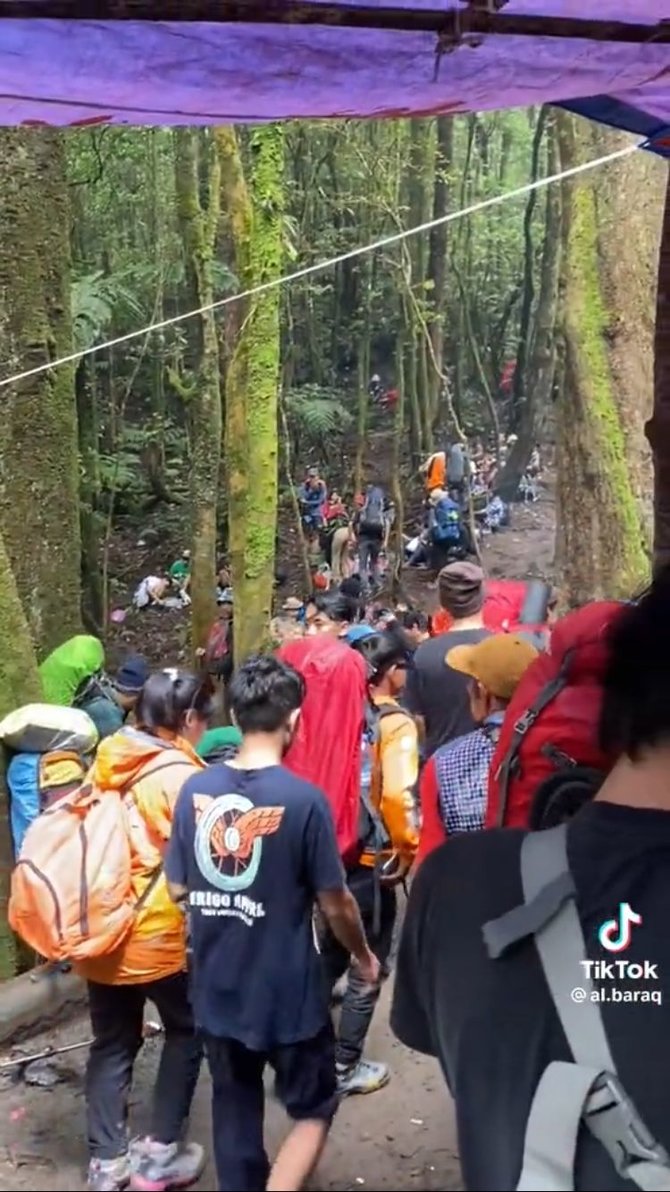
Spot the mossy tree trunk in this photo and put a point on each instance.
(611, 229)
(199, 229)
(658, 428)
(19, 684)
(255, 211)
(39, 467)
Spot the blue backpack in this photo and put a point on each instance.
(446, 528)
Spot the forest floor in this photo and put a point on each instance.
(522, 551)
(401, 1139)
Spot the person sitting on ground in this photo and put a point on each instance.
(454, 782)
(312, 498)
(388, 844)
(180, 571)
(152, 592)
(435, 691)
(110, 701)
(147, 765)
(502, 1028)
(496, 514)
(253, 848)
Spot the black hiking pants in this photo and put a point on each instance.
(117, 1015)
(305, 1085)
(358, 1005)
(369, 550)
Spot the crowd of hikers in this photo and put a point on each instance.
(502, 769)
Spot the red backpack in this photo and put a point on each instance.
(327, 746)
(551, 722)
(510, 606)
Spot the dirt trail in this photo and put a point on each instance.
(398, 1140)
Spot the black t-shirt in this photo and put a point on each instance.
(492, 1024)
(437, 692)
(253, 848)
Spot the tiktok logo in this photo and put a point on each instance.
(615, 934)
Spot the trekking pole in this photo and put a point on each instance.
(150, 1031)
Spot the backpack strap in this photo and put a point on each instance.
(176, 759)
(587, 1091)
(510, 763)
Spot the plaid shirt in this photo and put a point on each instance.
(462, 770)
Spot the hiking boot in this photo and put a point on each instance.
(365, 1077)
(157, 1166)
(108, 1175)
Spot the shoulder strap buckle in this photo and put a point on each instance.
(613, 1119)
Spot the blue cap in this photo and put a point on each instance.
(358, 632)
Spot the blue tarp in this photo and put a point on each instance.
(153, 72)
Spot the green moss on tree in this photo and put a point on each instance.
(602, 547)
(199, 230)
(19, 684)
(254, 209)
(39, 474)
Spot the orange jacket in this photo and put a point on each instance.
(436, 471)
(395, 770)
(149, 773)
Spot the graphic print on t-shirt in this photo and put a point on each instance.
(228, 849)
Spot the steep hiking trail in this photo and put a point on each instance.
(524, 550)
(400, 1139)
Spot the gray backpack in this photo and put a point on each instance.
(588, 1090)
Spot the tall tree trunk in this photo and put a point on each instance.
(199, 229)
(520, 394)
(607, 314)
(255, 213)
(39, 478)
(19, 684)
(541, 367)
(437, 260)
(658, 428)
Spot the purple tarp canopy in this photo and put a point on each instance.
(79, 71)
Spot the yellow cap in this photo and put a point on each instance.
(498, 662)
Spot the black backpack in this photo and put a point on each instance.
(372, 514)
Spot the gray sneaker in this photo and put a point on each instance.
(158, 1166)
(108, 1175)
(366, 1077)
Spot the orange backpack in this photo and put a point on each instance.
(71, 896)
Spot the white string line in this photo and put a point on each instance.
(308, 270)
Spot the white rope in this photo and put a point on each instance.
(308, 270)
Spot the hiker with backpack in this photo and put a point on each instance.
(110, 701)
(253, 849)
(454, 781)
(387, 841)
(101, 871)
(436, 693)
(534, 965)
(449, 538)
(312, 496)
(371, 530)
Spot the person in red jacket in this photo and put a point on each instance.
(454, 782)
